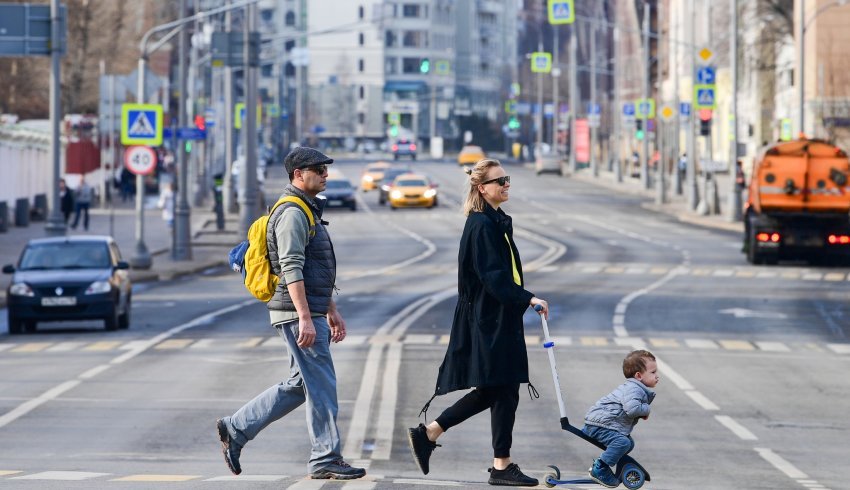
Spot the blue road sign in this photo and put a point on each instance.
(141, 124)
(684, 109)
(706, 75)
(560, 11)
(628, 109)
(593, 108)
(185, 133)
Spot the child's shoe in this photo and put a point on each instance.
(601, 473)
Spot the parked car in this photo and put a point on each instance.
(69, 278)
(339, 193)
(470, 155)
(404, 147)
(389, 176)
(412, 191)
(372, 175)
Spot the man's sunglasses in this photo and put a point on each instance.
(499, 180)
(319, 169)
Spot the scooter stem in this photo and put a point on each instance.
(549, 345)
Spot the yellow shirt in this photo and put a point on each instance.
(513, 262)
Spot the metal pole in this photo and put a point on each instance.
(618, 124)
(182, 249)
(556, 72)
(142, 258)
(660, 166)
(677, 174)
(801, 66)
(691, 177)
(573, 96)
(103, 171)
(594, 165)
(539, 119)
(733, 211)
(644, 168)
(111, 139)
(55, 223)
(229, 144)
(248, 173)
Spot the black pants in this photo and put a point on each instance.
(502, 402)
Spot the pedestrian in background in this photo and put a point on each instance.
(166, 203)
(66, 200)
(305, 315)
(611, 420)
(83, 198)
(487, 342)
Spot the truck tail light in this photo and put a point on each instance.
(412, 147)
(838, 239)
(768, 237)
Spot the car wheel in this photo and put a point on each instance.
(124, 320)
(29, 327)
(111, 321)
(353, 207)
(15, 326)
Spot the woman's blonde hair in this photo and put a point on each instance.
(474, 201)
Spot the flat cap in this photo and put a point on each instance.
(303, 157)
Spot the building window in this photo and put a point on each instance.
(410, 65)
(290, 18)
(361, 118)
(266, 70)
(362, 92)
(361, 12)
(415, 39)
(390, 66)
(411, 10)
(266, 15)
(390, 39)
(288, 45)
(361, 39)
(361, 65)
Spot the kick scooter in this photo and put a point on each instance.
(628, 471)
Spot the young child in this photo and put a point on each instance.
(612, 418)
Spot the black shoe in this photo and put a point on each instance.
(511, 476)
(229, 447)
(338, 470)
(421, 446)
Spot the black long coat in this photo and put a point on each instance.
(487, 343)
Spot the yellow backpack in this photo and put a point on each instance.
(251, 257)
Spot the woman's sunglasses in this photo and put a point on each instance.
(499, 180)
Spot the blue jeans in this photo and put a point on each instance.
(312, 379)
(617, 444)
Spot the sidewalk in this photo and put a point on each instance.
(676, 206)
(209, 246)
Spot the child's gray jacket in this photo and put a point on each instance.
(620, 409)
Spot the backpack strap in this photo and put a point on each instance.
(303, 205)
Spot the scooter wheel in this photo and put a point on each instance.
(550, 480)
(633, 477)
(556, 470)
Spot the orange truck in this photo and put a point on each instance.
(798, 203)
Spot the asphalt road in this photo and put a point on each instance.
(752, 394)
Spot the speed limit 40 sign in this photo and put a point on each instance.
(140, 160)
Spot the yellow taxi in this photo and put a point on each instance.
(412, 191)
(470, 155)
(372, 175)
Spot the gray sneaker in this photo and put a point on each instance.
(229, 447)
(338, 470)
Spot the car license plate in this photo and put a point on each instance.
(59, 301)
(334, 202)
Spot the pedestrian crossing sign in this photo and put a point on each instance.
(645, 108)
(705, 96)
(541, 62)
(141, 124)
(561, 12)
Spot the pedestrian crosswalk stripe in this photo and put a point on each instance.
(724, 273)
(102, 345)
(701, 344)
(355, 339)
(657, 271)
(173, 344)
(636, 270)
(664, 342)
(839, 348)
(772, 346)
(202, 344)
(244, 478)
(9, 472)
(275, 341)
(790, 275)
(444, 340)
(812, 276)
(419, 339)
(437, 483)
(6, 346)
(701, 272)
(593, 341)
(591, 269)
(158, 478)
(252, 342)
(745, 274)
(736, 345)
(614, 270)
(307, 484)
(134, 344)
(532, 339)
(834, 276)
(65, 346)
(562, 341)
(32, 347)
(766, 275)
(60, 475)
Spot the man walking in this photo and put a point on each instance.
(83, 199)
(305, 315)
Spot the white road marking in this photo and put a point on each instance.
(307, 484)
(780, 463)
(839, 348)
(248, 478)
(360, 418)
(702, 400)
(436, 483)
(420, 339)
(387, 409)
(701, 344)
(65, 346)
(27, 406)
(91, 373)
(773, 346)
(61, 475)
(736, 428)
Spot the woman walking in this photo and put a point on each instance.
(487, 344)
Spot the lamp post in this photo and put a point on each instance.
(802, 27)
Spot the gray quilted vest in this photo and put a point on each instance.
(319, 261)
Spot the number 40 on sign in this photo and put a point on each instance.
(140, 160)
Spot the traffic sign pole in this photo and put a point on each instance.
(182, 246)
(55, 224)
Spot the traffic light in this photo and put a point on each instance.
(425, 65)
(394, 130)
(513, 123)
(639, 134)
(705, 122)
(200, 122)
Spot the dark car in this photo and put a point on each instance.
(69, 278)
(389, 176)
(404, 147)
(339, 193)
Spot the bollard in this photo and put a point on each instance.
(4, 217)
(39, 208)
(22, 212)
(219, 201)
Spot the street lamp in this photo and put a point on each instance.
(802, 26)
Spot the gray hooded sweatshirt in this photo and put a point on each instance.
(620, 409)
